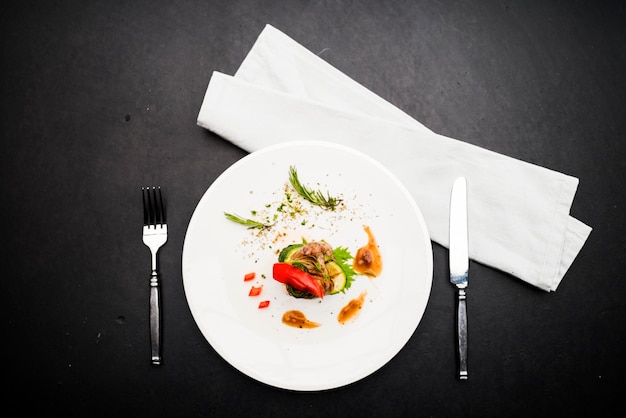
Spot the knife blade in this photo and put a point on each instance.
(459, 265)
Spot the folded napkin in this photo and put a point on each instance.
(518, 212)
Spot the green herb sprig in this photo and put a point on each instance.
(250, 223)
(342, 257)
(316, 197)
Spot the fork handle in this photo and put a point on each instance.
(155, 319)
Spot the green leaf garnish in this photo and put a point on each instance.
(250, 223)
(343, 257)
(316, 197)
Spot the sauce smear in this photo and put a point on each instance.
(352, 308)
(297, 319)
(368, 260)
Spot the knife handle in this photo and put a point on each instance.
(462, 334)
(155, 319)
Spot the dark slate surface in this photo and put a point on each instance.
(100, 98)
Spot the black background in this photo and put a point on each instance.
(101, 97)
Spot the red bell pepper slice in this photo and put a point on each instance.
(264, 304)
(296, 278)
(255, 291)
(249, 276)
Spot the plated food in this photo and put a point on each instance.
(333, 252)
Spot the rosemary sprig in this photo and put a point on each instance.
(250, 223)
(316, 197)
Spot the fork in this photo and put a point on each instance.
(154, 236)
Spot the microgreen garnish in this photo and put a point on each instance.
(316, 197)
(343, 257)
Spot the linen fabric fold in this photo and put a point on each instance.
(518, 213)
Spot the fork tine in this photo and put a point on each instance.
(145, 198)
(160, 208)
(153, 214)
(151, 207)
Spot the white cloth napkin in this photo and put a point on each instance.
(518, 212)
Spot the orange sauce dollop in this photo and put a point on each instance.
(297, 319)
(352, 308)
(368, 260)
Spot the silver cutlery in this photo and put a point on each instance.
(459, 264)
(154, 236)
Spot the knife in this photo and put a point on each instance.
(459, 264)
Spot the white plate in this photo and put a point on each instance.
(218, 253)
